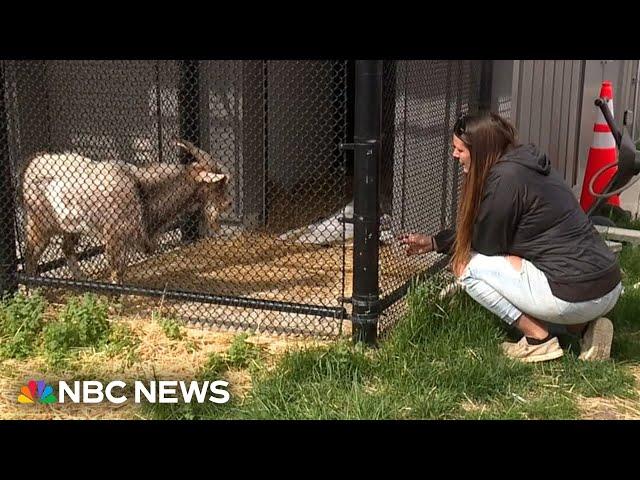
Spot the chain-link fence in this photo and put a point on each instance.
(219, 187)
(420, 182)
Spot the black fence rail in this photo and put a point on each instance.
(255, 195)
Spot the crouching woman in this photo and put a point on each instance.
(522, 246)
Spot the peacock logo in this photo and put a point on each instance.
(37, 392)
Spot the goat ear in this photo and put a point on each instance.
(209, 177)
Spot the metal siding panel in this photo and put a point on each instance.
(524, 100)
(556, 109)
(574, 117)
(546, 106)
(564, 117)
(536, 101)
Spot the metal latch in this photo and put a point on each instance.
(353, 146)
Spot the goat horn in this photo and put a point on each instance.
(193, 150)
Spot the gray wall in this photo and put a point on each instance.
(501, 85)
(430, 95)
(551, 103)
(546, 105)
(129, 111)
(621, 73)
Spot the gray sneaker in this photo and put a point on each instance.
(597, 339)
(524, 352)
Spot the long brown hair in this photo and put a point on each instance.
(488, 137)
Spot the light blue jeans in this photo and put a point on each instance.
(496, 285)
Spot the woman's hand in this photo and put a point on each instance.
(417, 243)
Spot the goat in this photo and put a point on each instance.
(123, 205)
(169, 191)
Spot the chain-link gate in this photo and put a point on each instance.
(222, 187)
(420, 183)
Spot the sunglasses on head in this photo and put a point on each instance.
(460, 127)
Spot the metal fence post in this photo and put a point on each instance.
(189, 117)
(366, 205)
(8, 259)
(486, 84)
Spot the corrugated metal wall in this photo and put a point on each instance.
(552, 104)
(546, 108)
(622, 74)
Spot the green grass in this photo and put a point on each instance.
(630, 263)
(243, 354)
(442, 361)
(625, 222)
(170, 326)
(82, 324)
(21, 323)
(123, 341)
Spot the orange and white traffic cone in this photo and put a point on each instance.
(601, 153)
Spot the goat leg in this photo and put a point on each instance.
(36, 243)
(69, 243)
(115, 252)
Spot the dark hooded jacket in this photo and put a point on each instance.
(527, 210)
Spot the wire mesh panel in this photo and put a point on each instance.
(419, 180)
(8, 257)
(218, 185)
